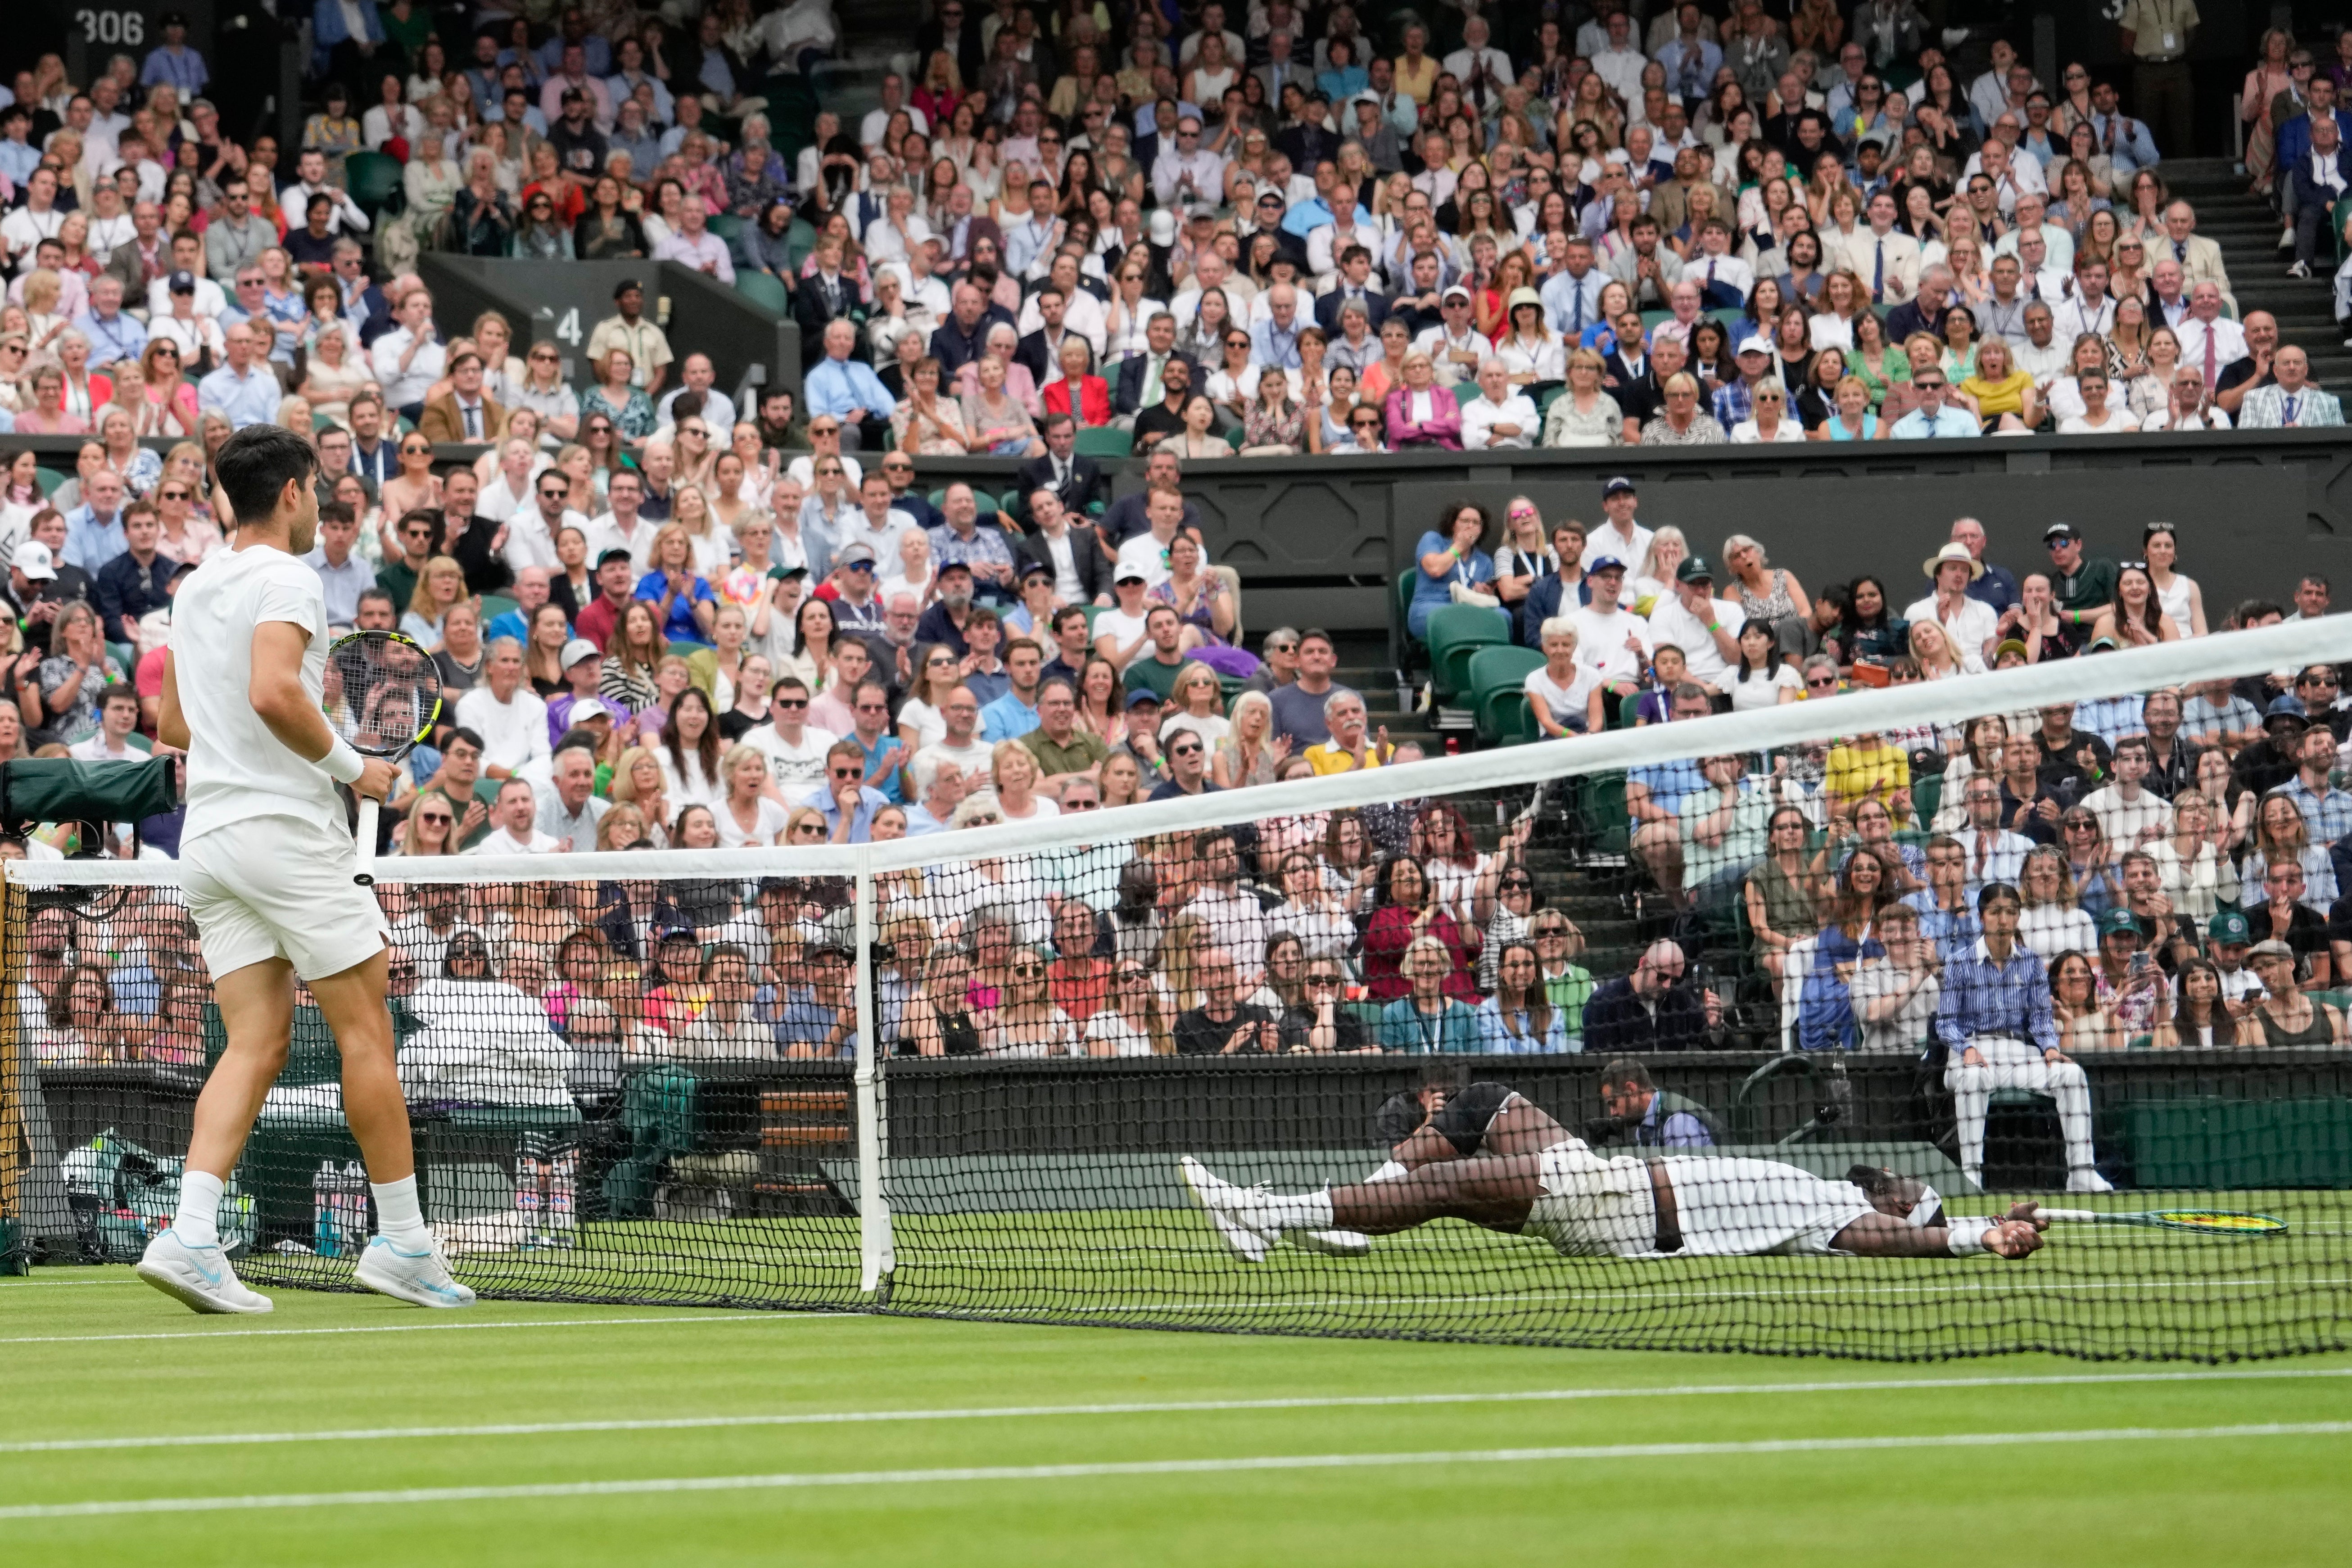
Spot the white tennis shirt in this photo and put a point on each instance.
(236, 769)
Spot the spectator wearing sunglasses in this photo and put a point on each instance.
(1366, 427)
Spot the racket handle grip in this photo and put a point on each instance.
(369, 808)
(2078, 1216)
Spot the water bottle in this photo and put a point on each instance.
(531, 1186)
(560, 1205)
(333, 1228)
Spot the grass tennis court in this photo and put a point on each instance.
(569, 1435)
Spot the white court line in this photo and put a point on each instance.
(685, 1315)
(1166, 1407)
(419, 1495)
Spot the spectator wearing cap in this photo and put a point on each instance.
(628, 330)
(1735, 401)
(1456, 347)
(1969, 624)
(1706, 629)
(581, 661)
(2082, 585)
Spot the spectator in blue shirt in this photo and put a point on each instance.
(94, 528)
(679, 595)
(240, 389)
(1520, 1018)
(1015, 714)
(1994, 1023)
(113, 336)
(1934, 417)
(847, 388)
(18, 156)
(1449, 560)
(1425, 1021)
(174, 63)
(2326, 810)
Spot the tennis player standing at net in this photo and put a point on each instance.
(267, 865)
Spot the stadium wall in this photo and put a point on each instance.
(1317, 539)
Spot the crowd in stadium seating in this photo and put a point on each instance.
(664, 620)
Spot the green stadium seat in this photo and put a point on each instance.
(1455, 632)
(50, 479)
(1402, 645)
(138, 743)
(1497, 677)
(372, 180)
(726, 226)
(1926, 798)
(496, 605)
(1105, 441)
(764, 290)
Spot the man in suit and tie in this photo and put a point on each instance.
(1280, 71)
(1065, 545)
(1355, 283)
(2320, 180)
(2292, 402)
(466, 416)
(2200, 258)
(1077, 482)
(824, 296)
(2294, 143)
(1142, 376)
(1887, 261)
(1571, 296)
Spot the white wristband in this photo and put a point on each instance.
(1966, 1236)
(343, 764)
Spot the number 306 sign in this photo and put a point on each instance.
(135, 26)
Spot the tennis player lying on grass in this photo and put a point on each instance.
(1496, 1160)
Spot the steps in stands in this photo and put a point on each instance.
(2247, 230)
(877, 37)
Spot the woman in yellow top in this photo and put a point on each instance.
(2004, 394)
(1416, 72)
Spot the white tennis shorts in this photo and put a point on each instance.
(1739, 1208)
(278, 886)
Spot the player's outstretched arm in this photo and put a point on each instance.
(1884, 1236)
(171, 724)
(275, 689)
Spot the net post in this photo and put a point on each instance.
(876, 1258)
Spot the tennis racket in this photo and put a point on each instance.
(382, 695)
(2202, 1222)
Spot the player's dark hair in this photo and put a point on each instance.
(257, 463)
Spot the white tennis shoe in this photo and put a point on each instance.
(199, 1278)
(1338, 1242)
(420, 1279)
(1234, 1211)
(2088, 1180)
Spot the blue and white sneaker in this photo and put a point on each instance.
(199, 1278)
(420, 1279)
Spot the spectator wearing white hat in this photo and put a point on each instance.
(1969, 624)
(1735, 401)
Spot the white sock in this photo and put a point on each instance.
(1306, 1211)
(1393, 1171)
(198, 1221)
(399, 1217)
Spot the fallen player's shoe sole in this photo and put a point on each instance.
(1216, 1198)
